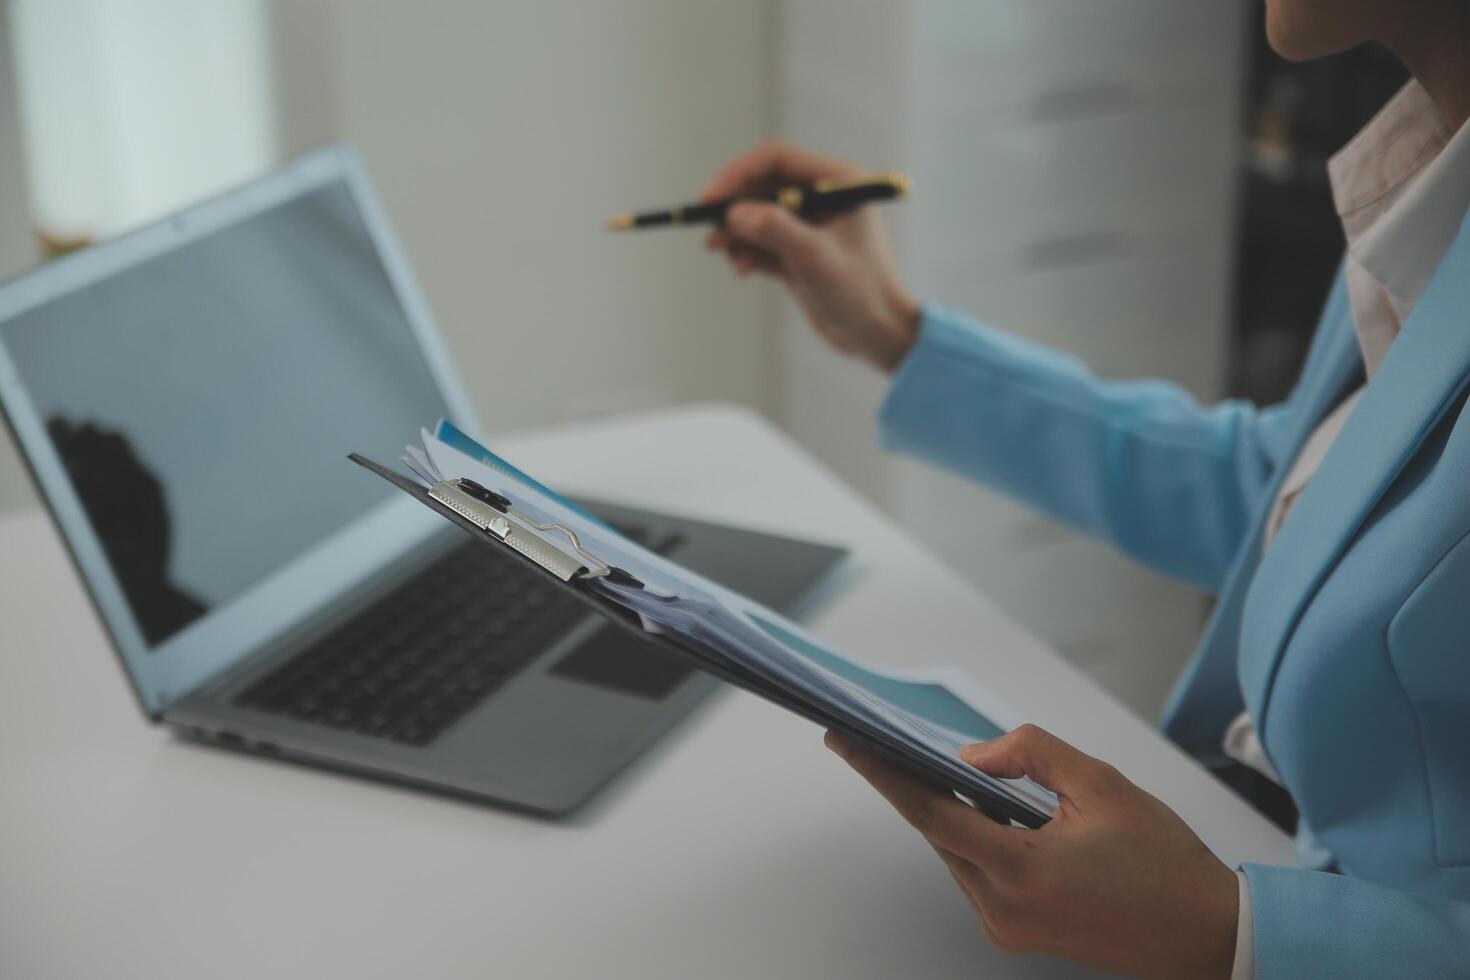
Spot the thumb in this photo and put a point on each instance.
(776, 230)
(1037, 753)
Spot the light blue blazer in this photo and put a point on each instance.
(1348, 641)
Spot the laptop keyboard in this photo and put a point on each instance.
(427, 653)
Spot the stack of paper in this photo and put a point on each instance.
(923, 718)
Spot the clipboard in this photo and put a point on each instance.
(556, 551)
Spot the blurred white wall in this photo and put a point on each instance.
(18, 246)
(501, 134)
(1074, 168)
(17, 243)
(846, 90)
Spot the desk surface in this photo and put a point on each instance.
(739, 847)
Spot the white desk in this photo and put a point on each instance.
(738, 848)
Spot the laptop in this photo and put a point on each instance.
(185, 397)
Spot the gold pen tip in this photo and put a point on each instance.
(619, 222)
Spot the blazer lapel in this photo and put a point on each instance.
(1207, 695)
(1426, 368)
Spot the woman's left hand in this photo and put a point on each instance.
(1115, 881)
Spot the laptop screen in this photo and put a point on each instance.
(202, 401)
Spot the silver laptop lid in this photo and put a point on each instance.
(186, 396)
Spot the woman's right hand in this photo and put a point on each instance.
(839, 270)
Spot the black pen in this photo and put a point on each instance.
(823, 197)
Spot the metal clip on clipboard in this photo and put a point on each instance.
(495, 515)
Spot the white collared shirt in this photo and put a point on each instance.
(1402, 189)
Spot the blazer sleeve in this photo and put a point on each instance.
(1315, 924)
(1140, 464)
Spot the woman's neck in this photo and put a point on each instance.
(1436, 50)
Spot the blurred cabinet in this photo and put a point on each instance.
(1290, 243)
(1074, 163)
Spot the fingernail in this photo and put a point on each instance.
(837, 744)
(973, 753)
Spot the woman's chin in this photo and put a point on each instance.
(1295, 40)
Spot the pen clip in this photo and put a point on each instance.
(899, 181)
